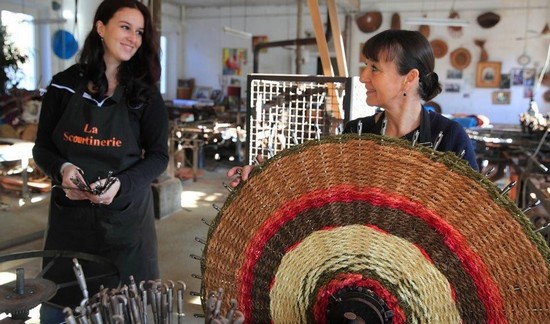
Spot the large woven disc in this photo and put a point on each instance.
(415, 232)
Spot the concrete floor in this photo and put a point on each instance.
(176, 233)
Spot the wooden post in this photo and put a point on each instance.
(320, 36)
(299, 19)
(337, 39)
(332, 102)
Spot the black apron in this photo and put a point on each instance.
(99, 140)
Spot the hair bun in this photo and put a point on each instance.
(430, 86)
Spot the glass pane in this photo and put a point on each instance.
(163, 52)
(21, 34)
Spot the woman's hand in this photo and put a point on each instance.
(72, 174)
(238, 174)
(105, 198)
(71, 190)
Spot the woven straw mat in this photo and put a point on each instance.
(428, 235)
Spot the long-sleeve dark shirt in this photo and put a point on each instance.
(149, 124)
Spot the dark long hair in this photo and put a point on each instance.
(409, 50)
(141, 73)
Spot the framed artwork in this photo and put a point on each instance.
(259, 40)
(216, 95)
(505, 81)
(454, 74)
(528, 77)
(501, 97)
(527, 92)
(233, 60)
(201, 92)
(517, 77)
(488, 74)
(452, 87)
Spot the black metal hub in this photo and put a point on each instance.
(358, 305)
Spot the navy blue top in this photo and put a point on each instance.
(454, 137)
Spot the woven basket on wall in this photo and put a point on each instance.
(418, 233)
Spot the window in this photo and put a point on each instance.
(21, 33)
(163, 52)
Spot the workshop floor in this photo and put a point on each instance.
(22, 229)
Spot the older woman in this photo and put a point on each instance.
(398, 77)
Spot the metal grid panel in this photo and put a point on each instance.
(285, 110)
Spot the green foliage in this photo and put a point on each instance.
(10, 62)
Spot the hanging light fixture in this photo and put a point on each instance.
(437, 21)
(237, 32)
(450, 22)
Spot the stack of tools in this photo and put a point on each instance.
(146, 302)
(214, 312)
(83, 185)
(153, 301)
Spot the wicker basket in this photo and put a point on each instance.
(426, 237)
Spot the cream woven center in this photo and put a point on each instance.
(357, 248)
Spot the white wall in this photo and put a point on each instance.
(501, 45)
(204, 39)
(195, 43)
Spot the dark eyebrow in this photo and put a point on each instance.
(128, 23)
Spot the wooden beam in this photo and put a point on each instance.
(333, 106)
(337, 39)
(322, 44)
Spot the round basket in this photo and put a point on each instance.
(439, 47)
(488, 19)
(369, 21)
(416, 234)
(460, 58)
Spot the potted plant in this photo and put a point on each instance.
(10, 62)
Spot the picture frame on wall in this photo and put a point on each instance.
(527, 92)
(501, 97)
(201, 93)
(517, 77)
(529, 77)
(505, 81)
(454, 74)
(452, 87)
(260, 39)
(488, 74)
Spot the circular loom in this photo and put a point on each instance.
(335, 226)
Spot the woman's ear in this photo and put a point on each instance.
(100, 28)
(413, 74)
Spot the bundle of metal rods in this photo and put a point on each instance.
(214, 314)
(148, 302)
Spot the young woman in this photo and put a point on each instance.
(398, 77)
(103, 122)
